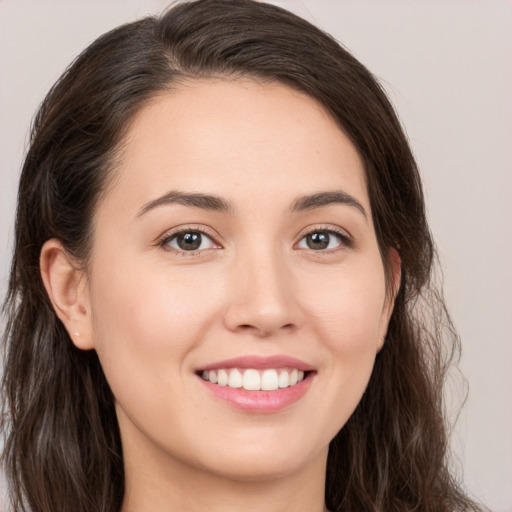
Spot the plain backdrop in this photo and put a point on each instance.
(447, 67)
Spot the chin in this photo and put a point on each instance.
(261, 470)
(265, 461)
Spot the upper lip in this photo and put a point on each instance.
(260, 363)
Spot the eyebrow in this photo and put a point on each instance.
(218, 204)
(326, 198)
(197, 200)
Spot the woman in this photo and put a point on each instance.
(221, 290)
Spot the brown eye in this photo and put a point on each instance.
(318, 240)
(321, 240)
(190, 241)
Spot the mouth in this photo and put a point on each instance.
(258, 384)
(253, 379)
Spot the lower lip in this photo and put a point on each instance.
(260, 401)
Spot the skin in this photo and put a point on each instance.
(155, 313)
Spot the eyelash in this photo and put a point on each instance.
(345, 240)
(169, 236)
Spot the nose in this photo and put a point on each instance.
(262, 296)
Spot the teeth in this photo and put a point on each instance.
(235, 379)
(269, 380)
(222, 378)
(254, 380)
(284, 379)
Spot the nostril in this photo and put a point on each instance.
(262, 320)
(264, 331)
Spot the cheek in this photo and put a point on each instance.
(349, 309)
(349, 315)
(147, 319)
(346, 316)
(147, 322)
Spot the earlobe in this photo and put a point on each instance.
(66, 286)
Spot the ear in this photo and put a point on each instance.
(67, 288)
(393, 285)
(396, 275)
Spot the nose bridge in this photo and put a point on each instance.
(261, 291)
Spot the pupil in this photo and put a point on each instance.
(189, 241)
(318, 240)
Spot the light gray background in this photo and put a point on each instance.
(447, 67)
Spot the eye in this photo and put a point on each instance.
(322, 240)
(189, 241)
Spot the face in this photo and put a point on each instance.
(236, 250)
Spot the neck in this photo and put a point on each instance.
(164, 485)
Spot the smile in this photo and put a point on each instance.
(252, 379)
(256, 384)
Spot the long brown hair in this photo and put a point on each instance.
(62, 444)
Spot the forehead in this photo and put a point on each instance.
(240, 138)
